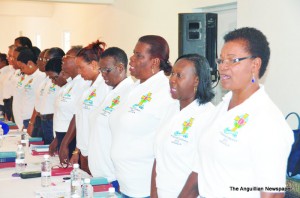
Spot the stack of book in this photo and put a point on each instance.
(36, 141)
(100, 184)
(39, 149)
(7, 159)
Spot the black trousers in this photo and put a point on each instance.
(8, 109)
(60, 136)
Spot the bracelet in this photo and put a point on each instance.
(75, 152)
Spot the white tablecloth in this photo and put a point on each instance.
(14, 187)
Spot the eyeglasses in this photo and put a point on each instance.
(230, 62)
(45, 59)
(106, 70)
(54, 78)
(70, 56)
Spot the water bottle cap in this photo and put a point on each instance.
(46, 156)
(75, 165)
(111, 190)
(20, 146)
(87, 180)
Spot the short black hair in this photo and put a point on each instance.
(204, 91)
(27, 55)
(3, 57)
(24, 41)
(54, 65)
(258, 46)
(55, 52)
(117, 54)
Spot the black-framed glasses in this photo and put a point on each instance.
(54, 78)
(230, 62)
(106, 70)
(69, 56)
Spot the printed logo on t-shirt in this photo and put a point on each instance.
(140, 106)
(180, 137)
(239, 122)
(109, 109)
(88, 102)
(28, 87)
(67, 96)
(52, 89)
(20, 83)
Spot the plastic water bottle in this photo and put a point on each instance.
(24, 139)
(1, 135)
(20, 160)
(46, 171)
(75, 182)
(111, 193)
(87, 189)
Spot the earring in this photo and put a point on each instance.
(195, 89)
(253, 78)
(30, 66)
(152, 70)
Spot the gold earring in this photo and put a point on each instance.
(30, 66)
(152, 70)
(195, 89)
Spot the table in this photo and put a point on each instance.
(12, 187)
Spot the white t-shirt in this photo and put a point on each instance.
(18, 82)
(100, 163)
(91, 98)
(5, 73)
(66, 101)
(176, 147)
(28, 97)
(133, 127)
(48, 100)
(9, 83)
(245, 148)
(39, 94)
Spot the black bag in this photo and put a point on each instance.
(293, 167)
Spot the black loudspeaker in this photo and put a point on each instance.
(198, 34)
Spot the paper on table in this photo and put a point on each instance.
(53, 192)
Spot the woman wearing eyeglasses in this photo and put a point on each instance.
(134, 123)
(248, 142)
(64, 108)
(42, 117)
(113, 67)
(87, 61)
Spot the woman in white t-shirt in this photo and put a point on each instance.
(244, 151)
(176, 140)
(7, 87)
(134, 123)
(27, 63)
(87, 61)
(64, 111)
(17, 87)
(113, 67)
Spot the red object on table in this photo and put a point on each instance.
(7, 164)
(102, 188)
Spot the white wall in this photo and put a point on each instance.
(123, 22)
(279, 20)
